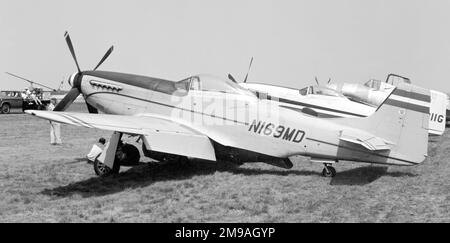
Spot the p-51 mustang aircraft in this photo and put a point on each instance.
(208, 118)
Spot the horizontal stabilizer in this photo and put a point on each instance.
(366, 140)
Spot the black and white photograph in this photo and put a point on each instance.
(213, 111)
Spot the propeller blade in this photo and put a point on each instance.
(232, 78)
(61, 84)
(329, 80)
(246, 76)
(91, 109)
(67, 100)
(30, 81)
(317, 81)
(72, 51)
(104, 57)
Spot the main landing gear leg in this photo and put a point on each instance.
(328, 171)
(104, 165)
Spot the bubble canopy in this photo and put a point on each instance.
(318, 90)
(206, 82)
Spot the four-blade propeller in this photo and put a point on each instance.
(75, 79)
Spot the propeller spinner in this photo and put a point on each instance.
(76, 78)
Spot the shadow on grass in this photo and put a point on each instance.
(149, 173)
(364, 175)
(77, 160)
(434, 139)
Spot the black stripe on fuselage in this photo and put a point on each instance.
(412, 95)
(408, 106)
(170, 106)
(319, 114)
(292, 102)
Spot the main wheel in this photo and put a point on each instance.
(102, 170)
(6, 108)
(329, 171)
(128, 155)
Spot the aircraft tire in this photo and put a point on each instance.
(132, 155)
(329, 171)
(103, 171)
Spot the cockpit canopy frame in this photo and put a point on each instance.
(318, 90)
(210, 83)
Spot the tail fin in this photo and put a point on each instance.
(438, 110)
(400, 121)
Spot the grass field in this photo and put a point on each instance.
(44, 183)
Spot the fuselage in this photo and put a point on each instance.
(227, 114)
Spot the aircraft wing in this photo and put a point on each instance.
(367, 140)
(160, 134)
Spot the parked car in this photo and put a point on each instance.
(9, 101)
(13, 100)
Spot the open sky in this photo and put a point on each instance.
(291, 41)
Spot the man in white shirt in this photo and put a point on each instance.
(55, 128)
(25, 94)
(96, 150)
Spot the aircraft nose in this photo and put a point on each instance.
(75, 80)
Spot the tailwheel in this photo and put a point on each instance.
(329, 171)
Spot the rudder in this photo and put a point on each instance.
(402, 123)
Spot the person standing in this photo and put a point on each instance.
(55, 128)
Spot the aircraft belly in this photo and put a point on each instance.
(252, 142)
(322, 145)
